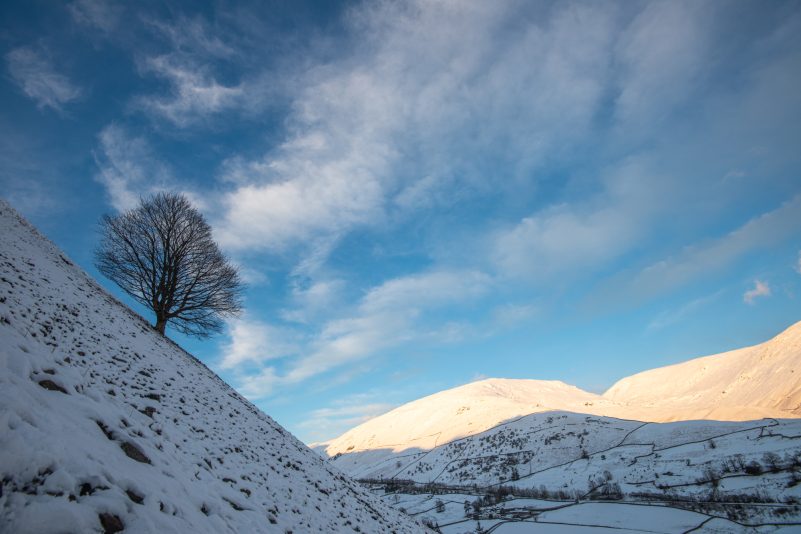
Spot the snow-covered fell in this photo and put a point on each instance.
(558, 450)
(717, 476)
(105, 425)
(749, 383)
(745, 384)
(459, 412)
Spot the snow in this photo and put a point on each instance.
(749, 383)
(459, 412)
(104, 420)
(706, 467)
(629, 516)
(757, 382)
(713, 444)
(581, 456)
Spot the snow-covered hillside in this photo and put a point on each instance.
(552, 447)
(746, 384)
(106, 425)
(459, 412)
(749, 383)
(742, 473)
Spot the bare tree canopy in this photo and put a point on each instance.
(162, 254)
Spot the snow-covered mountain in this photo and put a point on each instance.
(749, 383)
(554, 448)
(106, 425)
(745, 384)
(459, 412)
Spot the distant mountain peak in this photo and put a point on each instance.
(743, 384)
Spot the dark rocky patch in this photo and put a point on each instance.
(105, 429)
(135, 497)
(111, 523)
(134, 452)
(52, 386)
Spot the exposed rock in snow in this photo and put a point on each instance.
(106, 425)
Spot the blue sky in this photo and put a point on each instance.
(421, 194)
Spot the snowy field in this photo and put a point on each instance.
(545, 516)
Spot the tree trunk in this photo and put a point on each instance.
(160, 325)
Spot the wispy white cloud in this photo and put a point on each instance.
(127, 167)
(661, 55)
(101, 14)
(548, 243)
(761, 289)
(33, 71)
(413, 121)
(426, 290)
(579, 238)
(194, 55)
(195, 94)
(254, 342)
(311, 301)
(511, 315)
(193, 36)
(344, 414)
(258, 384)
(705, 258)
(671, 317)
(798, 263)
(386, 317)
(415, 88)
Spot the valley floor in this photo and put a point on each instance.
(454, 514)
(563, 472)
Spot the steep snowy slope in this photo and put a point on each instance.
(105, 425)
(749, 383)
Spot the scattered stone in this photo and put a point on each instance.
(111, 523)
(135, 497)
(52, 386)
(134, 452)
(105, 430)
(234, 505)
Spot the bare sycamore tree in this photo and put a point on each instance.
(162, 254)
